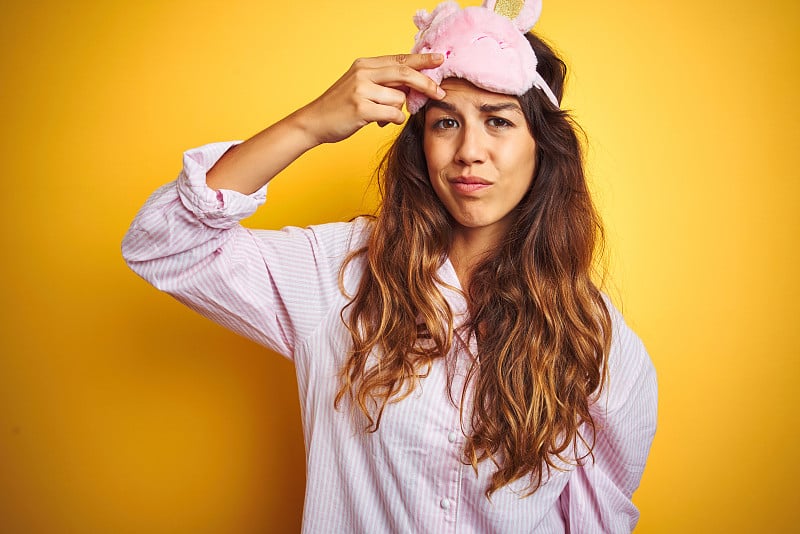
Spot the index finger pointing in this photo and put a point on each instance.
(406, 76)
(419, 61)
(415, 61)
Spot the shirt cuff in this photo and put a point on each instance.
(217, 209)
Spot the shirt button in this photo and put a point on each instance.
(451, 437)
(445, 504)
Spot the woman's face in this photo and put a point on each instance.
(480, 155)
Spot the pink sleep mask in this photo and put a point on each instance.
(485, 45)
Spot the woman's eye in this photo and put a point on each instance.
(498, 122)
(445, 124)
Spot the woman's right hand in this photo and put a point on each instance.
(372, 90)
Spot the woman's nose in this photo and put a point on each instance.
(472, 146)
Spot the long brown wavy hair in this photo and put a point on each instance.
(542, 328)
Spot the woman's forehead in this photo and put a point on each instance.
(461, 93)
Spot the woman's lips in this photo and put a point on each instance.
(469, 184)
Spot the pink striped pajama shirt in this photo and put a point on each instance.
(280, 289)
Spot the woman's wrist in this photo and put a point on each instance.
(303, 126)
(251, 165)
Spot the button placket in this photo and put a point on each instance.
(448, 501)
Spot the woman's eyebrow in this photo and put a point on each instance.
(506, 106)
(446, 106)
(484, 108)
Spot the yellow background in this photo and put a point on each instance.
(121, 411)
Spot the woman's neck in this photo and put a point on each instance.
(469, 247)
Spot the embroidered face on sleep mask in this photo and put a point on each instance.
(484, 44)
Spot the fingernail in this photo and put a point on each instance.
(437, 57)
(440, 92)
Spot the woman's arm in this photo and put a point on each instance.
(598, 496)
(372, 90)
(271, 286)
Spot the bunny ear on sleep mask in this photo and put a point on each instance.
(523, 14)
(485, 45)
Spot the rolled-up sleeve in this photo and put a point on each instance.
(271, 286)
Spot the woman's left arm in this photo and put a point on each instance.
(597, 497)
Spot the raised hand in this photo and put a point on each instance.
(372, 90)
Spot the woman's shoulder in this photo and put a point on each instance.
(629, 365)
(623, 336)
(333, 242)
(350, 235)
(326, 240)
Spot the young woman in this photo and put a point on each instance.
(459, 371)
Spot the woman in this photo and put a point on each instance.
(457, 367)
